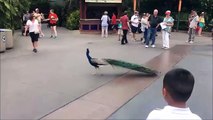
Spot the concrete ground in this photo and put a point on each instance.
(34, 86)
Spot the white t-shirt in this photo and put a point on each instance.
(33, 26)
(172, 113)
(104, 20)
(135, 20)
(193, 23)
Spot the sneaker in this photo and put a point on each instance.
(187, 41)
(55, 37)
(191, 42)
(153, 46)
(51, 36)
(146, 46)
(35, 50)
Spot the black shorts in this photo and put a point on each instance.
(134, 29)
(34, 37)
(52, 24)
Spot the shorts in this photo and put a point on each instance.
(34, 37)
(120, 32)
(52, 24)
(134, 29)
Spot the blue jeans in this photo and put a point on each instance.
(151, 35)
(145, 35)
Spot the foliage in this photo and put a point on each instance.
(72, 21)
(43, 6)
(11, 11)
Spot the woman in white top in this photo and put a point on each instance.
(168, 22)
(33, 26)
(104, 24)
(144, 25)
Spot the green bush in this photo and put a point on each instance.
(72, 21)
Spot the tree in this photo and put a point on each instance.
(11, 11)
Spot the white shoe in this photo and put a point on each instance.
(146, 46)
(191, 42)
(153, 46)
(187, 41)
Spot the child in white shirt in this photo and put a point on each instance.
(177, 88)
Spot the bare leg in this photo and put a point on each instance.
(199, 32)
(51, 31)
(42, 34)
(55, 31)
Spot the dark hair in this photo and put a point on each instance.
(179, 83)
(124, 13)
(31, 16)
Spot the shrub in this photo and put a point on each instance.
(72, 21)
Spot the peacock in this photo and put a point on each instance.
(94, 61)
(119, 63)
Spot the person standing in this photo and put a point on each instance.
(39, 16)
(192, 27)
(104, 24)
(125, 27)
(134, 24)
(26, 17)
(201, 23)
(144, 26)
(120, 31)
(154, 22)
(114, 22)
(33, 26)
(168, 21)
(190, 17)
(53, 18)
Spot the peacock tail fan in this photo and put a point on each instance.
(132, 66)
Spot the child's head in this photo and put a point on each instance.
(178, 85)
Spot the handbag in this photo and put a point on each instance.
(36, 31)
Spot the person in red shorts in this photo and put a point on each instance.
(53, 18)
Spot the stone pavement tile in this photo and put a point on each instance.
(81, 109)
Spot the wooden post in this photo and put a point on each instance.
(179, 9)
(81, 14)
(134, 5)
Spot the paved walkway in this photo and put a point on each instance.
(58, 82)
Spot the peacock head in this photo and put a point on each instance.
(87, 50)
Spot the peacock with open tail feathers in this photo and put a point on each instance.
(119, 63)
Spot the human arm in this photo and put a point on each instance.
(26, 28)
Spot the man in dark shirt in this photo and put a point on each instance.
(154, 22)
